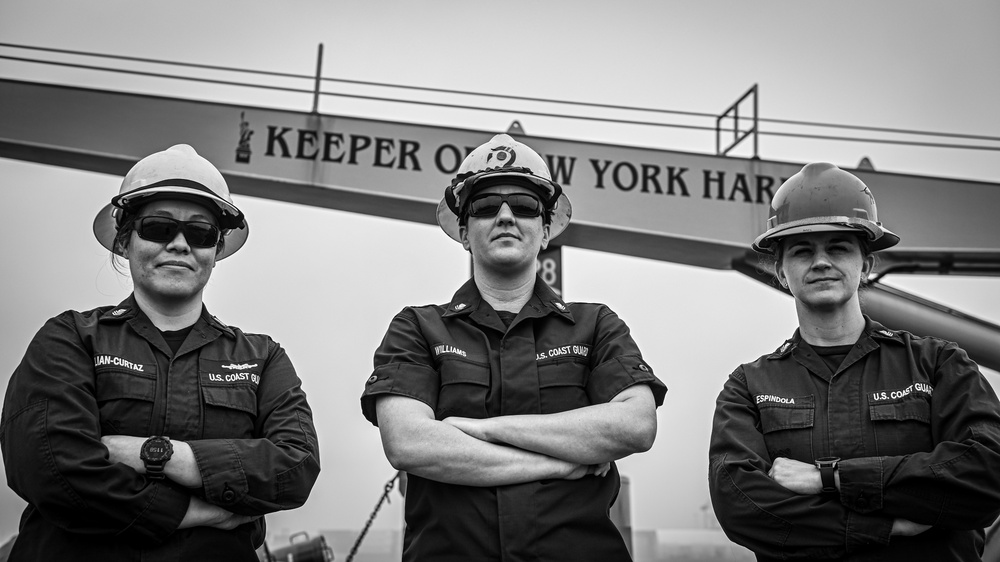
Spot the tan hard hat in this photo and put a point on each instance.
(822, 197)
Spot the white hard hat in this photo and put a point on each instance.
(503, 157)
(822, 197)
(177, 172)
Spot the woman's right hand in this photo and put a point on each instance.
(907, 528)
(203, 514)
(581, 470)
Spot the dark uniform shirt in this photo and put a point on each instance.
(917, 427)
(461, 360)
(234, 397)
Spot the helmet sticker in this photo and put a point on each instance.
(505, 156)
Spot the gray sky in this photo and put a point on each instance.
(325, 283)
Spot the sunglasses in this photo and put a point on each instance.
(164, 229)
(521, 204)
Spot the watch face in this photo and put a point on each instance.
(156, 450)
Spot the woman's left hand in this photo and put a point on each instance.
(799, 477)
(125, 449)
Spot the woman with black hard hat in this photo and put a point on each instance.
(151, 430)
(851, 441)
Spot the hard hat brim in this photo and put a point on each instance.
(879, 237)
(229, 215)
(106, 228)
(471, 185)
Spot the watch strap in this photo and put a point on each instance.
(827, 466)
(154, 470)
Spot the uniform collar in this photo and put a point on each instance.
(468, 301)
(880, 333)
(786, 348)
(129, 309)
(869, 340)
(548, 299)
(465, 300)
(126, 310)
(214, 322)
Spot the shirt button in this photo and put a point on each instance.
(372, 379)
(862, 502)
(228, 495)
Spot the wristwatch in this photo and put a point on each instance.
(155, 453)
(826, 466)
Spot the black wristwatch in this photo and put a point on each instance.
(155, 453)
(826, 466)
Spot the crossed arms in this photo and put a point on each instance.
(519, 448)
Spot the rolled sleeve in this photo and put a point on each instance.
(616, 362)
(403, 379)
(619, 373)
(403, 367)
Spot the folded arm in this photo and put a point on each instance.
(417, 443)
(595, 434)
(762, 514)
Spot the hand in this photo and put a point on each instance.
(203, 514)
(799, 477)
(469, 426)
(581, 470)
(125, 449)
(907, 528)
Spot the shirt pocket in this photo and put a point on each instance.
(125, 402)
(230, 412)
(902, 426)
(788, 427)
(562, 385)
(465, 387)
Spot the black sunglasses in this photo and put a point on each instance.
(164, 229)
(521, 204)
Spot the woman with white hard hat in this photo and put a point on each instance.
(150, 429)
(507, 407)
(851, 441)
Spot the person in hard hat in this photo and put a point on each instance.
(150, 430)
(851, 441)
(508, 406)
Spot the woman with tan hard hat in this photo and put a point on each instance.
(150, 430)
(507, 406)
(851, 441)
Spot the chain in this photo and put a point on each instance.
(385, 498)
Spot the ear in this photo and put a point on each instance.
(545, 236)
(867, 266)
(780, 275)
(463, 235)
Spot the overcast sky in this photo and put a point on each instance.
(325, 284)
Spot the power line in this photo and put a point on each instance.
(500, 96)
(158, 75)
(157, 61)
